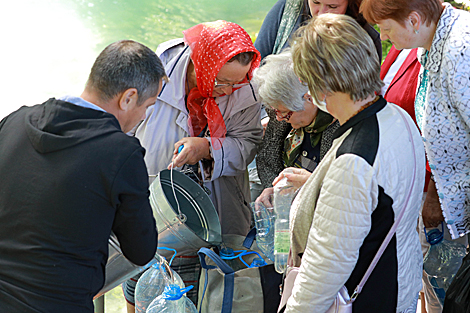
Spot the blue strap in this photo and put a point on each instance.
(250, 237)
(229, 277)
(203, 252)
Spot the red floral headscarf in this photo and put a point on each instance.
(212, 45)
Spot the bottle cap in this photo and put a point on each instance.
(174, 292)
(258, 262)
(434, 236)
(226, 252)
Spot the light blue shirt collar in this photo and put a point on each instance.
(80, 102)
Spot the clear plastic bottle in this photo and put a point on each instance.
(442, 261)
(284, 193)
(264, 223)
(228, 255)
(172, 300)
(152, 284)
(258, 262)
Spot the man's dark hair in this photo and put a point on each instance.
(126, 64)
(244, 58)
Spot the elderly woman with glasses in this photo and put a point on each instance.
(373, 171)
(306, 136)
(209, 108)
(442, 34)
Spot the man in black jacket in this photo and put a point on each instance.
(69, 176)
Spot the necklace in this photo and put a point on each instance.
(365, 106)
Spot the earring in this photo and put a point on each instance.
(416, 31)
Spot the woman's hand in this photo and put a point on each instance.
(266, 197)
(296, 176)
(195, 149)
(264, 123)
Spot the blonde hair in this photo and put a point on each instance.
(333, 53)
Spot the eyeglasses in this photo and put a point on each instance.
(216, 85)
(286, 117)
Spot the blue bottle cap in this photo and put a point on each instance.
(434, 236)
(258, 262)
(226, 252)
(174, 292)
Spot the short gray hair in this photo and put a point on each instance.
(278, 84)
(333, 53)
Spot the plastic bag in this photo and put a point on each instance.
(457, 298)
(442, 261)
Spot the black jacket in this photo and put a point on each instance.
(69, 176)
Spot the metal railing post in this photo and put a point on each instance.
(99, 304)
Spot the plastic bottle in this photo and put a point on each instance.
(442, 261)
(172, 300)
(284, 193)
(231, 258)
(258, 262)
(152, 284)
(264, 223)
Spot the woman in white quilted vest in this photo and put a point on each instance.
(374, 170)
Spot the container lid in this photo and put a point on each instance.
(434, 236)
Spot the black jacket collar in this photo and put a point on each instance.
(372, 110)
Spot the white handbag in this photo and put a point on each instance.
(343, 303)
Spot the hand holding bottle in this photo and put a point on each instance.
(295, 176)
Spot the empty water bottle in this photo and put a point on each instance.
(284, 193)
(442, 261)
(172, 300)
(152, 284)
(231, 257)
(264, 223)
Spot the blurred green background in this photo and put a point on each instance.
(49, 46)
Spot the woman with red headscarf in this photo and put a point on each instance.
(209, 107)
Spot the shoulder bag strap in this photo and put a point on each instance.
(392, 231)
(229, 277)
(173, 68)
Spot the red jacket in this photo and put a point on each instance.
(402, 89)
